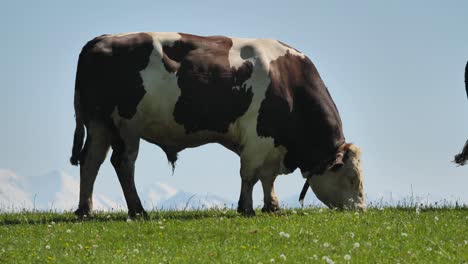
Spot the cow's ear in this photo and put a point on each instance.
(338, 163)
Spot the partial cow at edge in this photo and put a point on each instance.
(259, 98)
(462, 157)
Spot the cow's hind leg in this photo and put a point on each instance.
(94, 153)
(124, 155)
(269, 196)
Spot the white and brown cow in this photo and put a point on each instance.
(260, 98)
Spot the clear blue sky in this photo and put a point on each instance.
(395, 70)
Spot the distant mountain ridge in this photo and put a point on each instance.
(59, 191)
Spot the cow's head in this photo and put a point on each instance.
(341, 185)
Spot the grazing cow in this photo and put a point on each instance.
(462, 157)
(260, 98)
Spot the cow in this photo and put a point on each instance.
(462, 157)
(260, 98)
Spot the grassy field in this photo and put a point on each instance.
(389, 235)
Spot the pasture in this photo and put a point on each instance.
(380, 235)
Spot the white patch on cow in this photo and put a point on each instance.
(157, 106)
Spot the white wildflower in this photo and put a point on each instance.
(404, 234)
(129, 220)
(320, 210)
(283, 234)
(356, 245)
(108, 216)
(68, 231)
(315, 240)
(436, 218)
(305, 213)
(328, 260)
(429, 249)
(283, 257)
(326, 245)
(95, 246)
(47, 247)
(351, 234)
(80, 246)
(418, 210)
(52, 222)
(347, 257)
(136, 251)
(272, 260)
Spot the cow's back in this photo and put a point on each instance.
(206, 89)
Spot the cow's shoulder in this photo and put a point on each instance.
(298, 111)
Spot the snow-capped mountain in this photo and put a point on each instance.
(186, 201)
(53, 191)
(59, 191)
(12, 193)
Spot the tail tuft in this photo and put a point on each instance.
(78, 138)
(462, 157)
(77, 143)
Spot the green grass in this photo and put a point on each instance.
(390, 235)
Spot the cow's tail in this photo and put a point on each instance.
(462, 157)
(78, 138)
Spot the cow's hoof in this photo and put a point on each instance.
(246, 212)
(138, 215)
(271, 209)
(83, 213)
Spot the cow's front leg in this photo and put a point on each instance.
(245, 205)
(125, 152)
(270, 201)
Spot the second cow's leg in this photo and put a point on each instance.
(125, 153)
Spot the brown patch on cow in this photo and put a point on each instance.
(108, 75)
(213, 94)
(299, 114)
